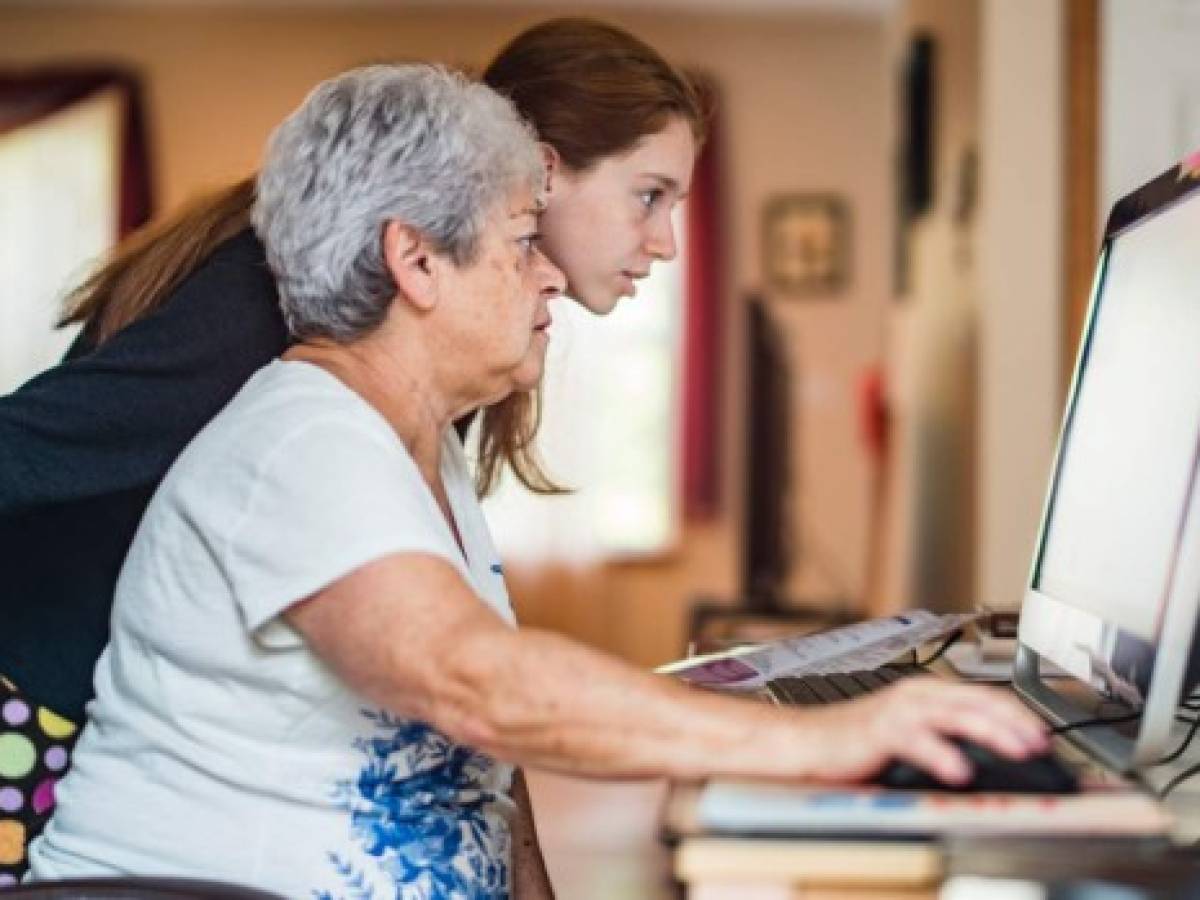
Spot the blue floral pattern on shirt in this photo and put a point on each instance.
(419, 809)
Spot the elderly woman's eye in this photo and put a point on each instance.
(529, 242)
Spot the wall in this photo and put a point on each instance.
(805, 103)
(1021, 282)
(930, 548)
(975, 348)
(1150, 106)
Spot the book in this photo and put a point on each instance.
(859, 863)
(755, 808)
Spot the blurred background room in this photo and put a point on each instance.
(839, 402)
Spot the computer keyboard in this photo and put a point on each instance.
(813, 690)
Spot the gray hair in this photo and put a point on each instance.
(412, 143)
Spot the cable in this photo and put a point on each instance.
(1194, 726)
(1177, 780)
(945, 645)
(1089, 723)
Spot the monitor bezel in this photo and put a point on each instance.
(1039, 611)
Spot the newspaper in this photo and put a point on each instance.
(852, 648)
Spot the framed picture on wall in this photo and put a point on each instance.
(806, 244)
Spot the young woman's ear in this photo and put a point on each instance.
(553, 164)
(409, 258)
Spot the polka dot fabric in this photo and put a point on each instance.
(35, 749)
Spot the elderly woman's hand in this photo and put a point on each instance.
(914, 721)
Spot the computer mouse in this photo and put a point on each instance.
(990, 773)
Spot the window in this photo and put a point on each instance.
(610, 432)
(58, 178)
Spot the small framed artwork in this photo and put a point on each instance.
(806, 244)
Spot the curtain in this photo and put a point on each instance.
(704, 289)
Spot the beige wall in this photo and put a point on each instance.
(805, 104)
(1150, 103)
(976, 347)
(930, 551)
(1021, 282)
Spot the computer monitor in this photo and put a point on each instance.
(1114, 589)
(768, 535)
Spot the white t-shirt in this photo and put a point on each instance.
(219, 745)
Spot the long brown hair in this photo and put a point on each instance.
(591, 90)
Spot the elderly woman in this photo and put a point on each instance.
(313, 685)
(399, 210)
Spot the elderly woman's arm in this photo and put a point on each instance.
(408, 632)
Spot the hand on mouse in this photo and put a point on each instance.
(913, 721)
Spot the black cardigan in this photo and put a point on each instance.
(84, 445)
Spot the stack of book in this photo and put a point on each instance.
(733, 836)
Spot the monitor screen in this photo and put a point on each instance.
(1127, 459)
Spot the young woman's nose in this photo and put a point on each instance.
(660, 241)
(551, 279)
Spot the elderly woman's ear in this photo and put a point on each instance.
(409, 257)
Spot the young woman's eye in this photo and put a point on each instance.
(650, 198)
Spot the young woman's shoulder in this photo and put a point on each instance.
(114, 417)
(232, 294)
